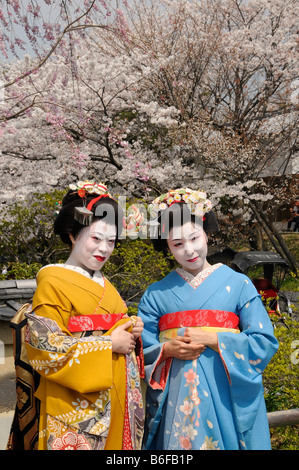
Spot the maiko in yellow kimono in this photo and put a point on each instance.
(90, 397)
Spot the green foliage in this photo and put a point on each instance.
(292, 241)
(281, 375)
(20, 271)
(133, 266)
(281, 382)
(291, 283)
(285, 438)
(26, 230)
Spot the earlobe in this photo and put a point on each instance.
(72, 238)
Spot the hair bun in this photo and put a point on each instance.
(70, 196)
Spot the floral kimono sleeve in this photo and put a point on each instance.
(80, 364)
(246, 355)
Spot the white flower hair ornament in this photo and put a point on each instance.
(196, 201)
(89, 187)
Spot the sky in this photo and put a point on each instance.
(48, 14)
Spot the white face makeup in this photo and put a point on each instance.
(93, 246)
(188, 244)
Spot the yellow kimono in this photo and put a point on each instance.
(90, 398)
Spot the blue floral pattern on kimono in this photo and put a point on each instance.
(217, 400)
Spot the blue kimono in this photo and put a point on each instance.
(215, 401)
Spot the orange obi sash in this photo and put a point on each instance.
(102, 322)
(201, 318)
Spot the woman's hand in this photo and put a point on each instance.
(191, 345)
(123, 341)
(138, 326)
(206, 338)
(182, 348)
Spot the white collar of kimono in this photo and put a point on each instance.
(195, 281)
(97, 275)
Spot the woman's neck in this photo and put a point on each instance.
(195, 272)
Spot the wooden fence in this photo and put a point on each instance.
(283, 418)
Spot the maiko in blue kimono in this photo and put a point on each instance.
(214, 401)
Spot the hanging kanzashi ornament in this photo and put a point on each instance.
(83, 214)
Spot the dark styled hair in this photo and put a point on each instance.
(176, 216)
(104, 208)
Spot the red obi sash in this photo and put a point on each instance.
(103, 322)
(214, 318)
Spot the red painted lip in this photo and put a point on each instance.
(100, 258)
(192, 260)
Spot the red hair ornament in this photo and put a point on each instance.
(83, 214)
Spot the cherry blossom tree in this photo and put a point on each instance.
(150, 94)
(83, 111)
(231, 70)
